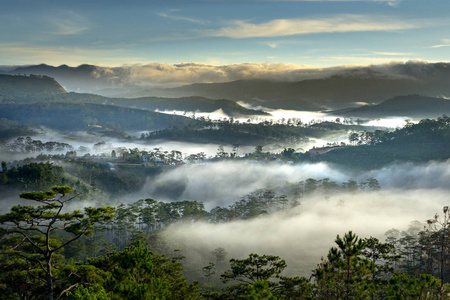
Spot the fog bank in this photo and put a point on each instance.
(304, 235)
(223, 183)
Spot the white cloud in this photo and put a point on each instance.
(393, 53)
(69, 23)
(170, 15)
(285, 27)
(445, 43)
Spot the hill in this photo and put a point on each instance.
(82, 78)
(184, 104)
(428, 140)
(414, 106)
(13, 87)
(87, 116)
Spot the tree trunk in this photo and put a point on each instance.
(49, 278)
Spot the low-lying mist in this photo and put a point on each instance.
(304, 234)
(222, 183)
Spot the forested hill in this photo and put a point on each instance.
(414, 106)
(428, 140)
(189, 104)
(79, 116)
(13, 87)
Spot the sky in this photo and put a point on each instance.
(298, 33)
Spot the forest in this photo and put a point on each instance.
(109, 198)
(56, 246)
(117, 252)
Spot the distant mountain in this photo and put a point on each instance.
(414, 106)
(12, 87)
(333, 88)
(84, 78)
(370, 85)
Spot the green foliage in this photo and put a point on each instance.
(137, 273)
(93, 292)
(344, 274)
(252, 270)
(30, 240)
(424, 141)
(230, 132)
(33, 176)
(402, 286)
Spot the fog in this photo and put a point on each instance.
(432, 175)
(410, 192)
(82, 139)
(304, 235)
(223, 183)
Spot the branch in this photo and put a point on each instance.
(66, 290)
(69, 241)
(32, 228)
(36, 260)
(65, 278)
(36, 277)
(30, 241)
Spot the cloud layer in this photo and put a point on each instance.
(158, 74)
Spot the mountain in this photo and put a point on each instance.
(330, 88)
(370, 84)
(84, 78)
(414, 106)
(12, 87)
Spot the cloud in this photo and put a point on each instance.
(187, 73)
(445, 43)
(393, 53)
(285, 27)
(170, 15)
(68, 23)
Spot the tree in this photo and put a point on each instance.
(343, 274)
(30, 232)
(254, 269)
(435, 240)
(137, 273)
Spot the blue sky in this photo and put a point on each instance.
(306, 33)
